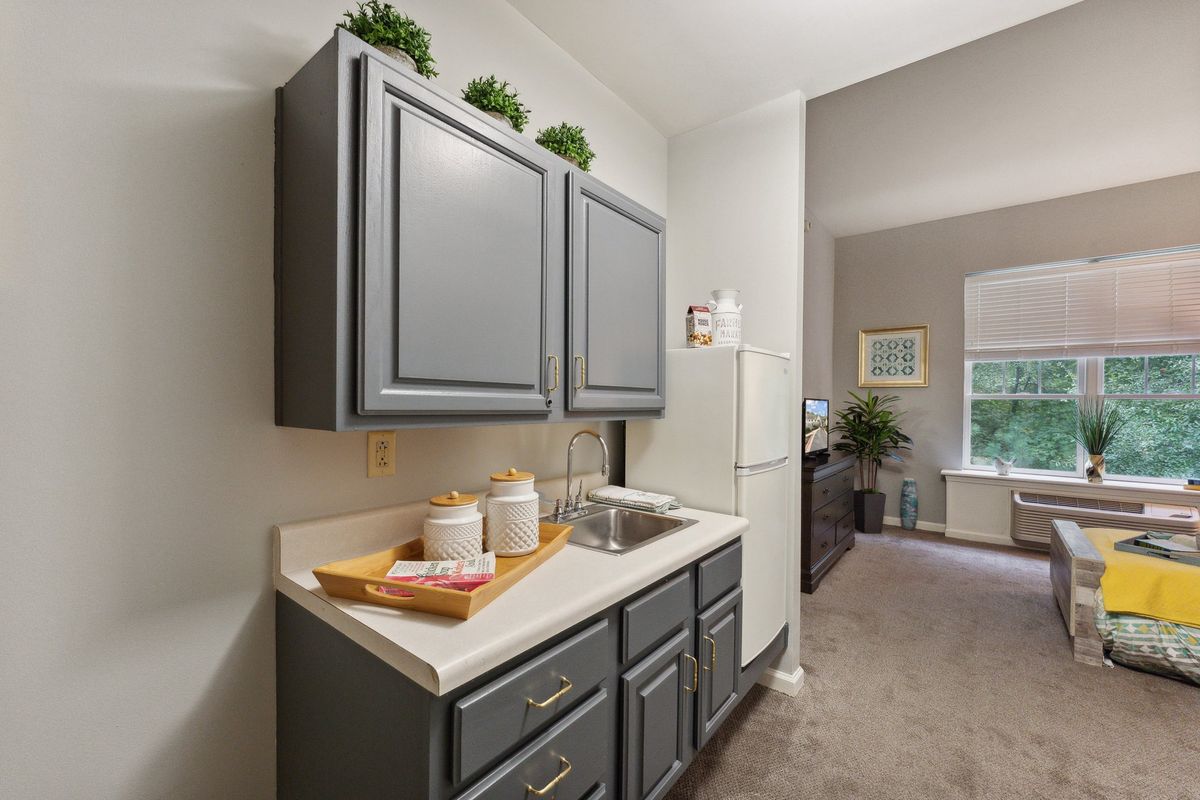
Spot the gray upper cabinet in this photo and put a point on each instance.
(422, 255)
(458, 242)
(617, 253)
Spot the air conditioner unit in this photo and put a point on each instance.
(1032, 514)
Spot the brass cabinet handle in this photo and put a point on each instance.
(695, 673)
(582, 362)
(566, 687)
(712, 659)
(564, 769)
(553, 358)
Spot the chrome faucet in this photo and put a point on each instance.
(568, 508)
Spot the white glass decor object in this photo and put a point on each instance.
(512, 514)
(453, 528)
(726, 317)
(1003, 467)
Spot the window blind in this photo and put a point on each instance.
(1141, 304)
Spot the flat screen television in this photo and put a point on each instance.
(816, 426)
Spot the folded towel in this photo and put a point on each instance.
(632, 498)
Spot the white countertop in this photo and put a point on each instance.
(442, 654)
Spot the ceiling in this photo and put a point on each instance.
(685, 63)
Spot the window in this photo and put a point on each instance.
(1125, 328)
(1025, 411)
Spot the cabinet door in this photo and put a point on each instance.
(719, 643)
(616, 276)
(460, 232)
(657, 717)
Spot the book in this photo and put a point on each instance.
(462, 575)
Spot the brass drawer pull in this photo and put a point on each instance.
(566, 687)
(553, 358)
(564, 769)
(695, 673)
(712, 658)
(582, 362)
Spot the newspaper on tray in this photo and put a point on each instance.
(461, 575)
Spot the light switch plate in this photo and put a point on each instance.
(381, 453)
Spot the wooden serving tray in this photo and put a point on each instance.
(359, 578)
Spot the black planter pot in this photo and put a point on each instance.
(868, 511)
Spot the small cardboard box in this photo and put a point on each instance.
(699, 326)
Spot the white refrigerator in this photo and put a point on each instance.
(723, 447)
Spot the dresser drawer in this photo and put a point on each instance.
(822, 544)
(827, 515)
(654, 615)
(845, 527)
(567, 762)
(829, 488)
(719, 573)
(498, 716)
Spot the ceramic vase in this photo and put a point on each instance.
(1094, 469)
(1003, 467)
(908, 504)
(726, 317)
(398, 55)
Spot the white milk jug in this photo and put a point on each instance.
(726, 317)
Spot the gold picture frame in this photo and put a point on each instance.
(893, 357)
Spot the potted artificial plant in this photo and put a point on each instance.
(1095, 429)
(497, 99)
(870, 431)
(568, 142)
(396, 34)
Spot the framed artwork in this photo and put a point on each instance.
(893, 356)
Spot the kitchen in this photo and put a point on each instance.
(459, 218)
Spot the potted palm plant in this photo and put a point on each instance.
(870, 431)
(1095, 429)
(396, 34)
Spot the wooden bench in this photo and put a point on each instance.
(1075, 569)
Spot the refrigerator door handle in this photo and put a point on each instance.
(765, 466)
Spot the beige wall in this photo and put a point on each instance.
(818, 307)
(915, 275)
(140, 471)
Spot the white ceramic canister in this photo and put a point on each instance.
(512, 514)
(726, 317)
(453, 528)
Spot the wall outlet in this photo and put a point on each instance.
(381, 453)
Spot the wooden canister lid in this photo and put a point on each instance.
(513, 474)
(452, 499)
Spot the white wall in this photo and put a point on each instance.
(140, 471)
(737, 200)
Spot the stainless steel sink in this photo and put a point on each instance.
(618, 530)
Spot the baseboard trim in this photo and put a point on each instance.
(783, 682)
(976, 536)
(922, 525)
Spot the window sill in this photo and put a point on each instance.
(1165, 492)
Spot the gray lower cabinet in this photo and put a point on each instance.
(657, 712)
(719, 633)
(422, 263)
(615, 707)
(617, 285)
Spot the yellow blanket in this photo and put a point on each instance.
(1144, 585)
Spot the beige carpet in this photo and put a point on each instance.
(939, 669)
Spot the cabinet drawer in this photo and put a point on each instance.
(568, 761)
(498, 716)
(822, 543)
(654, 615)
(828, 515)
(829, 488)
(719, 573)
(845, 527)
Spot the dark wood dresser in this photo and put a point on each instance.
(827, 516)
